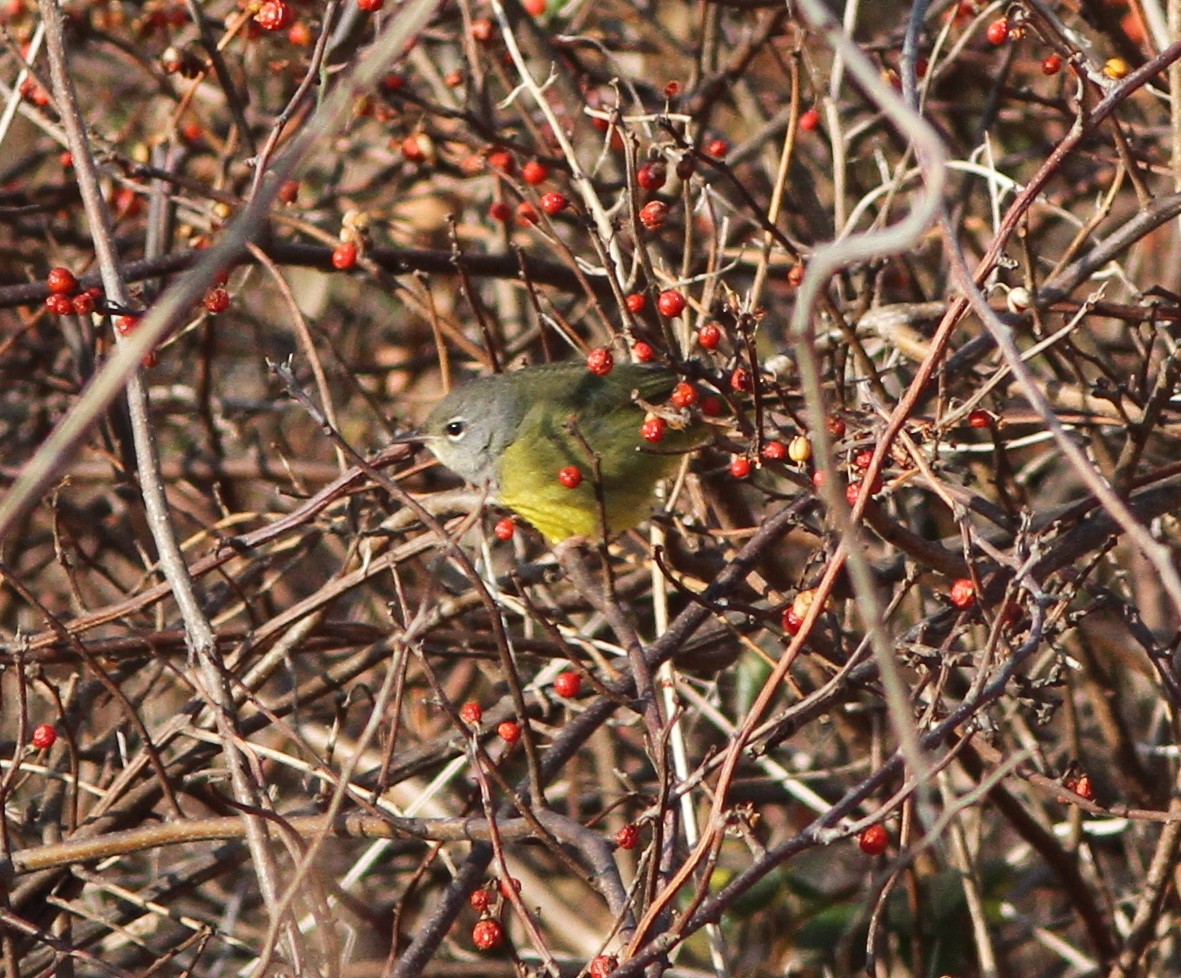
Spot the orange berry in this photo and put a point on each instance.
(684, 395)
(488, 934)
(534, 172)
(962, 593)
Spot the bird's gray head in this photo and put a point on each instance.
(471, 427)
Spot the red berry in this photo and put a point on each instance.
(216, 300)
(998, 31)
(1052, 64)
(59, 305)
(300, 34)
(479, 899)
(863, 459)
(684, 395)
(526, 213)
(653, 429)
(504, 529)
(717, 148)
(653, 214)
(795, 275)
(567, 684)
(809, 120)
(500, 211)
(288, 191)
(836, 425)
(600, 362)
(124, 325)
(534, 8)
(628, 836)
(643, 352)
(854, 489)
(44, 736)
(570, 476)
(740, 380)
(670, 302)
(554, 203)
(83, 303)
(740, 466)
(345, 256)
(509, 731)
(709, 336)
(1081, 787)
(672, 89)
(774, 451)
(503, 886)
(711, 406)
(488, 934)
(472, 712)
(502, 160)
(603, 965)
(415, 146)
(483, 30)
(685, 167)
(980, 418)
(534, 172)
(962, 593)
(61, 281)
(636, 302)
(874, 840)
(652, 176)
(274, 15)
(370, 6)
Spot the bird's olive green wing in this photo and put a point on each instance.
(593, 423)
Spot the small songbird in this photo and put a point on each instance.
(561, 446)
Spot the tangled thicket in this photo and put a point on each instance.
(888, 686)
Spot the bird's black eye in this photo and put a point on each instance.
(454, 429)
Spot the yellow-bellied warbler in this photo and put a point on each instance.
(550, 442)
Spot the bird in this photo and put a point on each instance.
(561, 446)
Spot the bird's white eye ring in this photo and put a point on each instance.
(454, 429)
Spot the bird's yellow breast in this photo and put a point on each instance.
(628, 470)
